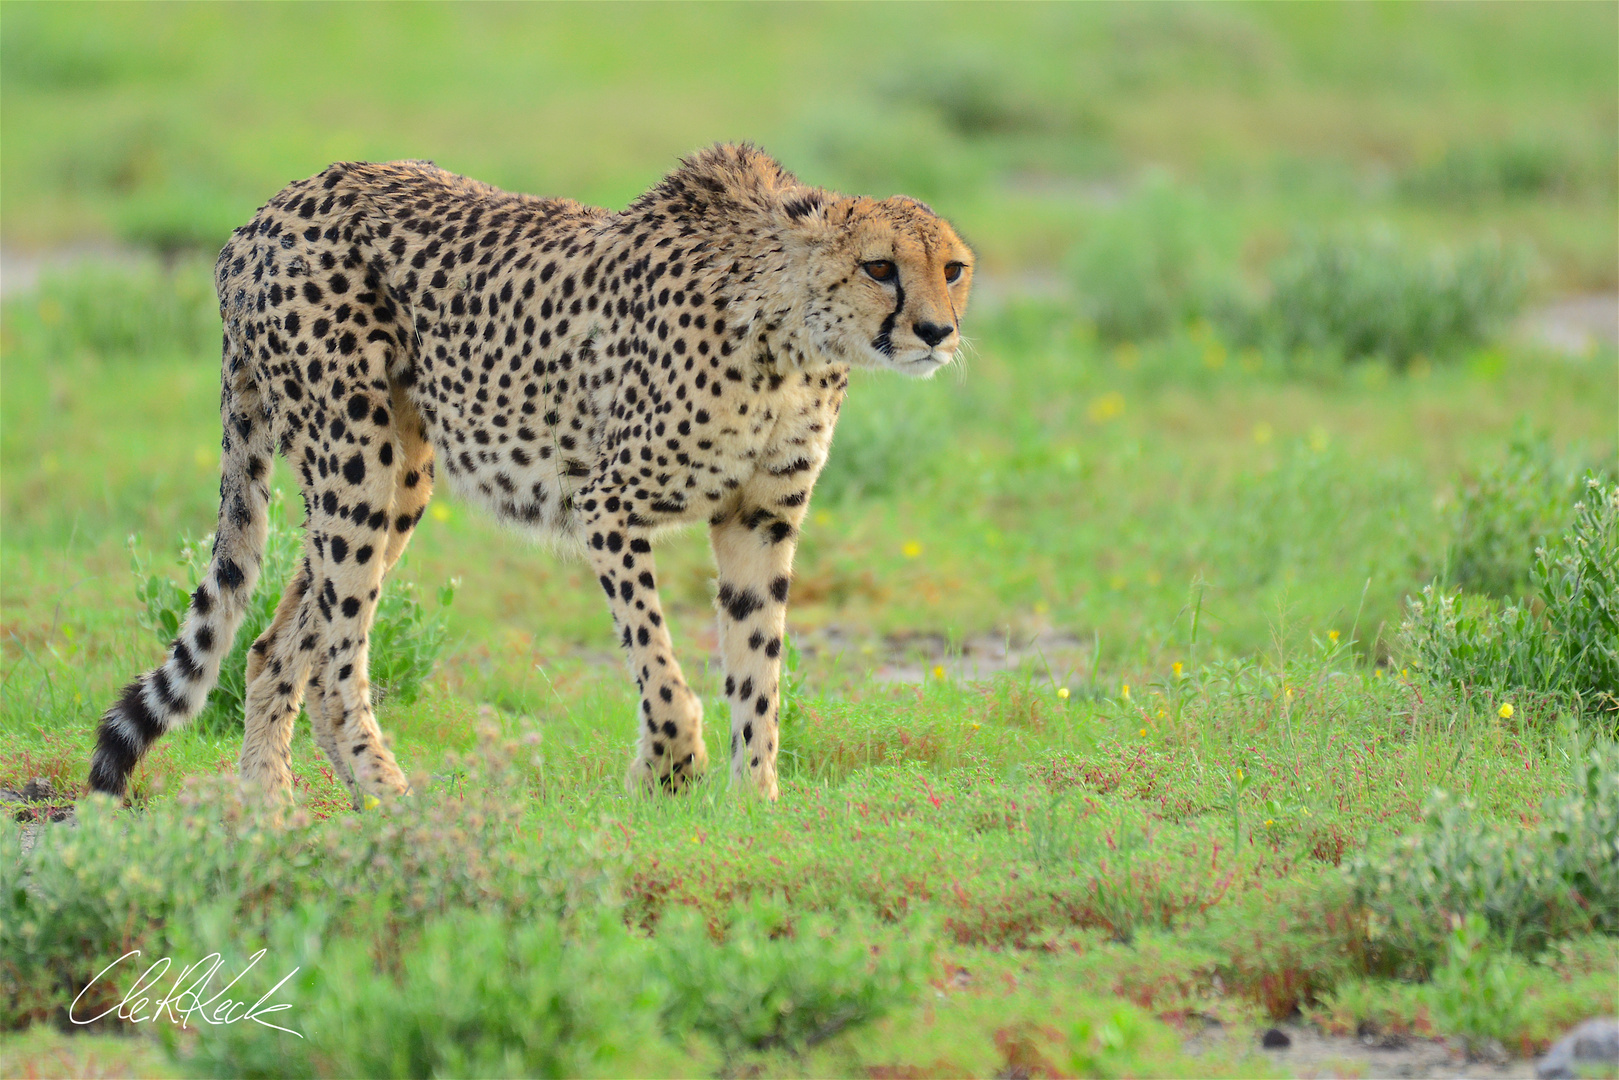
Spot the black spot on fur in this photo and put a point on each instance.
(229, 575)
(739, 603)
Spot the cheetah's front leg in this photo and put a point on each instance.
(670, 752)
(753, 549)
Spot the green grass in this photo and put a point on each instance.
(1213, 798)
(1176, 847)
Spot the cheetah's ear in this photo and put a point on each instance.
(805, 206)
(906, 200)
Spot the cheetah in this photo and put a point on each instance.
(588, 377)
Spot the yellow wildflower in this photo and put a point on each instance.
(1506, 711)
(1332, 636)
(1125, 693)
(1177, 667)
(1106, 407)
(1143, 733)
(911, 549)
(938, 671)
(1062, 692)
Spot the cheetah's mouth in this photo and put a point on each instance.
(919, 363)
(925, 365)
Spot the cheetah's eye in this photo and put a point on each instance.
(881, 270)
(952, 271)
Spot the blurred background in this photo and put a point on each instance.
(1269, 293)
(1223, 126)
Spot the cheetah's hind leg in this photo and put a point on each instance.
(410, 498)
(277, 669)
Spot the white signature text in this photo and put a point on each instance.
(184, 999)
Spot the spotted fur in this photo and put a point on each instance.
(585, 376)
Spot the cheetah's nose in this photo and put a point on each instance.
(931, 332)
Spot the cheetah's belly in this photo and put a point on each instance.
(510, 465)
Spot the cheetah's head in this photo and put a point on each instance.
(887, 281)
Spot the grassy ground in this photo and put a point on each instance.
(1161, 831)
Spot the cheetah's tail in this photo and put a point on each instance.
(173, 693)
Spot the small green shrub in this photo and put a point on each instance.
(1568, 650)
(1514, 168)
(1375, 295)
(977, 98)
(1482, 989)
(1531, 886)
(1152, 264)
(779, 984)
(1110, 1048)
(406, 638)
(473, 994)
(1478, 993)
(115, 312)
(1504, 516)
(1164, 258)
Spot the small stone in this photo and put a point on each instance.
(1371, 1035)
(38, 789)
(1275, 1039)
(1595, 1042)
